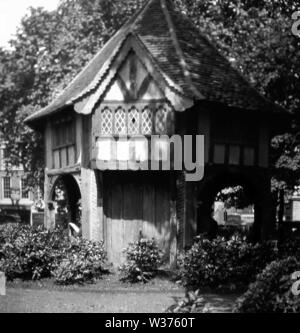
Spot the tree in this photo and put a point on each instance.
(256, 37)
(234, 197)
(51, 47)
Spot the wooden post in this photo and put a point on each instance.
(190, 213)
(100, 209)
(48, 147)
(78, 125)
(264, 217)
(91, 228)
(173, 223)
(173, 235)
(46, 198)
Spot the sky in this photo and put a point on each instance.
(11, 12)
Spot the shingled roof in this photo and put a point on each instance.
(190, 64)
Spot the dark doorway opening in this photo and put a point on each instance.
(67, 195)
(226, 204)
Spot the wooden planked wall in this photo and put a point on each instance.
(136, 205)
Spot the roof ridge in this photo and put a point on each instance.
(175, 87)
(139, 13)
(183, 63)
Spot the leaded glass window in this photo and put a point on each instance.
(120, 122)
(146, 127)
(161, 121)
(133, 121)
(106, 122)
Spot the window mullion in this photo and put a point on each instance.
(141, 121)
(113, 121)
(126, 121)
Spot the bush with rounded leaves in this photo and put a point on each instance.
(83, 261)
(142, 261)
(272, 292)
(220, 263)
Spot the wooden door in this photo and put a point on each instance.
(135, 204)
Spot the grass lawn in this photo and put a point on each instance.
(108, 295)
(109, 283)
(105, 296)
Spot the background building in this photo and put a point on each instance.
(16, 201)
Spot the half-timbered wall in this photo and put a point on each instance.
(134, 203)
(133, 107)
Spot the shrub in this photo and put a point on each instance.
(229, 231)
(221, 263)
(289, 248)
(83, 261)
(272, 290)
(192, 303)
(29, 253)
(143, 259)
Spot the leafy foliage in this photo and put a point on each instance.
(289, 247)
(83, 261)
(192, 303)
(29, 253)
(256, 37)
(48, 50)
(228, 231)
(272, 290)
(234, 197)
(220, 263)
(143, 259)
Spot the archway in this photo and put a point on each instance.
(242, 191)
(234, 211)
(67, 196)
